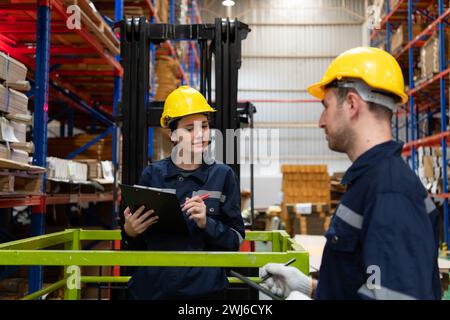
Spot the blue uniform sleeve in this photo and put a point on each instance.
(399, 249)
(137, 243)
(225, 232)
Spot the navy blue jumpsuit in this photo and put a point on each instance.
(383, 238)
(224, 232)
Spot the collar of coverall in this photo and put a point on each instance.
(369, 158)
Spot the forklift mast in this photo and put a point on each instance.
(136, 113)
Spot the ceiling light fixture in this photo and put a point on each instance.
(228, 3)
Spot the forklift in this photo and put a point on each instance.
(221, 40)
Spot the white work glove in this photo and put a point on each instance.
(284, 280)
(295, 295)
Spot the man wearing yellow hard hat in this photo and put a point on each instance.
(211, 195)
(382, 242)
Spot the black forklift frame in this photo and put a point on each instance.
(221, 39)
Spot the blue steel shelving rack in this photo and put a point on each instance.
(40, 121)
(40, 90)
(41, 112)
(402, 13)
(41, 86)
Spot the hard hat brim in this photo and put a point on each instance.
(167, 121)
(317, 89)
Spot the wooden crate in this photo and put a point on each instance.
(313, 224)
(304, 184)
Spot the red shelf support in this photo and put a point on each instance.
(16, 201)
(428, 82)
(426, 142)
(58, 6)
(440, 195)
(430, 29)
(77, 198)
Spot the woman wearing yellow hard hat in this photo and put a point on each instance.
(211, 195)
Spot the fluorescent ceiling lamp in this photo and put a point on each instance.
(228, 3)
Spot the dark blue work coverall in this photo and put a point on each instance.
(224, 232)
(384, 236)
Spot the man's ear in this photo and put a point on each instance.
(354, 104)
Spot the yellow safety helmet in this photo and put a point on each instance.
(181, 102)
(375, 67)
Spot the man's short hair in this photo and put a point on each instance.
(380, 112)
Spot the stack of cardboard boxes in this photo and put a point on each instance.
(337, 190)
(306, 203)
(167, 74)
(430, 168)
(429, 58)
(79, 170)
(399, 37)
(14, 114)
(162, 8)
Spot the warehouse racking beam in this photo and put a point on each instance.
(385, 20)
(59, 7)
(16, 201)
(418, 40)
(421, 100)
(53, 199)
(59, 83)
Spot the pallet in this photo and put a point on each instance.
(19, 182)
(96, 25)
(14, 165)
(72, 187)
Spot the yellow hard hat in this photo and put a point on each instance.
(181, 102)
(375, 67)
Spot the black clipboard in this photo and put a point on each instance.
(255, 285)
(166, 206)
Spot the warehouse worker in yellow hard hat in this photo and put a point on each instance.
(215, 223)
(382, 242)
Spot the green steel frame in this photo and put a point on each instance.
(32, 252)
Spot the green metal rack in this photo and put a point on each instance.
(34, 251)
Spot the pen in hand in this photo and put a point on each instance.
(268, 275)
(203, 197)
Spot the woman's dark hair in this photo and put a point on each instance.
(173, 125)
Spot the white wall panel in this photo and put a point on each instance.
(291, 44)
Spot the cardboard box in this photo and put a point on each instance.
(66, 170)
(162, 6)
(11, 69)
(13, 101)
(429, 58)
(94, 169)
(399, 37)
(20, 131)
